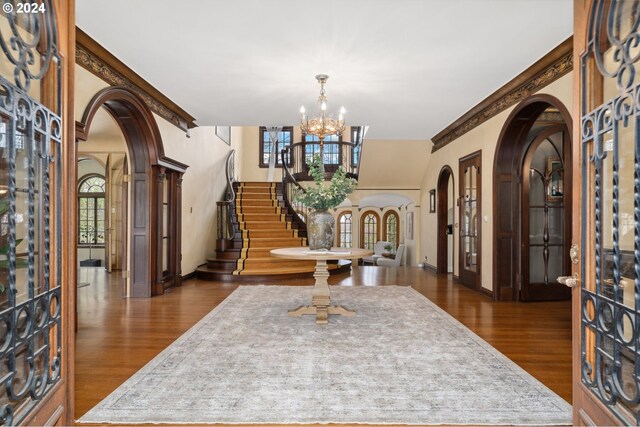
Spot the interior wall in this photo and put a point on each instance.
(485, 138)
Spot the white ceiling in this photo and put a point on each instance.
(407, 68)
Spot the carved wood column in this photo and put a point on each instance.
(176, 257)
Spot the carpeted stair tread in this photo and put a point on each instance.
(257, 233)
(259, 209)
(275, 242)
(264, 224)
(257, 263)
(249, 225)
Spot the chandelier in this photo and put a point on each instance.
(323, 125)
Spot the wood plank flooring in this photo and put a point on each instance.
(117, 336)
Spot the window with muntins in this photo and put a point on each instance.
(331, 151)
(285, 136)
(91, 211)
(391, 226)
(370, 232)
(345, 230)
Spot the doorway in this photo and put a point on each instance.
(445, 208)
(470, 190)
(154, 189)
(546, 213)
(513, 232)
(103, 217)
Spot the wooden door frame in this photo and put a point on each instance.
(507, 166)
(148, 165)
(552, 291)
(477, 157)
(442, 251)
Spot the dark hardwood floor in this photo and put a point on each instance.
(117, 336)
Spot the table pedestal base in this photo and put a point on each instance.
(322, 312)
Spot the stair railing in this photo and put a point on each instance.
(291, 188)
(226, 208)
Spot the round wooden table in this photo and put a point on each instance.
(321, 296)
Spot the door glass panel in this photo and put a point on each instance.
(610, 338)
(470, 219)
(546, 209)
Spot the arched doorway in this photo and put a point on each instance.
(445, 244)
(525, 123)
(155, 192)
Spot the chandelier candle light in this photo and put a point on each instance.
(323, 125)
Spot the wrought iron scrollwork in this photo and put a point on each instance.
(29, 43)
(610, 334)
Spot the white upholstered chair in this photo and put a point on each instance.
(392, 262)
(378, 248)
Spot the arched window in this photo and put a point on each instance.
(391, 228)
(344, 230)
(91, 214)
(370, 232)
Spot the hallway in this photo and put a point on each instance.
(116, 336)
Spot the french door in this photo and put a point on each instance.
(546, 206)
(470, 233)
(606, 279)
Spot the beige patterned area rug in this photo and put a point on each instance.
(401, 360)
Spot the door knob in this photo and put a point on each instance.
(570, 281)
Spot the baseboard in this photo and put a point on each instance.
(189, 276)
(486, 292)
(430, 267)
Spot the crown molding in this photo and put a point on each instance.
(94, 58)
(548, 69)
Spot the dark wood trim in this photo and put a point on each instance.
(486, 292)
(548, 69)
(430, 267)
(149, 164)
(442, 251)
(378, 225)
(94, 58)
(261, 131)
(191, 275)
(507, 165)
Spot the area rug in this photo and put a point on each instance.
(400, 360)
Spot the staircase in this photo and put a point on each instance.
(261, 222)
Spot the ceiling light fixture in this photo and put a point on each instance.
(323, 125)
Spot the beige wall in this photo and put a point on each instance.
(485, 138)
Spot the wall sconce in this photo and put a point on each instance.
(432, 200)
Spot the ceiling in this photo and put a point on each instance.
(407, 68)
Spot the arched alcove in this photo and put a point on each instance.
(155, 184)
(513, 143)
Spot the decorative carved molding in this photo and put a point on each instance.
(550, 68)
(94, 58)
